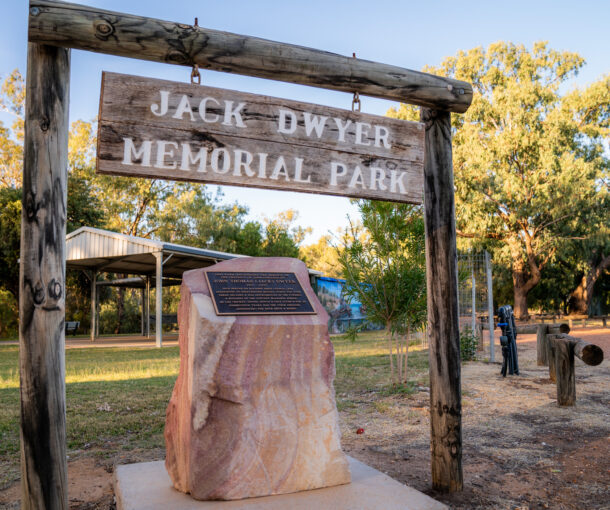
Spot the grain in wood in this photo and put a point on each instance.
(42, 280)
(443, 326)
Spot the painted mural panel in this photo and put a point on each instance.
(343, 314)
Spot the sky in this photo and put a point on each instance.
(402, 33)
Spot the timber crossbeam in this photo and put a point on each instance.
(87, 28)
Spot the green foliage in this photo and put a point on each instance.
(10, 226)
(9, 311)
(384, 269)
(468, 344)
(352, 331)
(529, 159)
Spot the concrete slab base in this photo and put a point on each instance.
(147, 486)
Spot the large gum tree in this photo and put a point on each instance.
(529, 157)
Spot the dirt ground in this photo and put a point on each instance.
(520, 451)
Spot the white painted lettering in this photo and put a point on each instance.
(377, 177)
(342, 128)
(381, 135)
(313, 122)
(203, 107)
(357, 179)
(231, 113)
(240, 163)
(361, 132)
(336, 170)
(183, 107)
(226, 160)
(298, 168)
(131, 154)
(262, 165)
(161, 110)
(280, 169)
(396, 181)
(163, 152)
(284, 116)
(188, 159)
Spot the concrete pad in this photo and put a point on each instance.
(146, 486)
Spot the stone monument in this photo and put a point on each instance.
(253, 410)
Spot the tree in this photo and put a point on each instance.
(529, 162)
(385, 271)
(10, 226)
(322, 256)
(282, 236)
(12, 101)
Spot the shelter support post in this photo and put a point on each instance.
(147, 306)
(93, 304)
(42, 280)
(159, 300)
(443, 322)
(142, 312)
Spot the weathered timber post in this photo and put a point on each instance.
(552, 360)
(564, 349)
(542, 347)
(444, 336)
(42, 280)
(564, 372)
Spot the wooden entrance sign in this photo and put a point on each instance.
(163, 129)
(53, 27)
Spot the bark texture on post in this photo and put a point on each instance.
(564, 371)
(126, 35)
(542, 348)
(552, 360)
(443, 330)
(42, 280)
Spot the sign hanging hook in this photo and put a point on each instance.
(356, 101)
(195, 74)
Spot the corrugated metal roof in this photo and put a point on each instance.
(95, 243)
(102, 250)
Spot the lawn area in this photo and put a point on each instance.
(115, 401)
(116, 397)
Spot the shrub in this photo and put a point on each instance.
(468, 344)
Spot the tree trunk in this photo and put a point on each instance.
(581, 296)
(120, 307)
(520, 308)
(578, 302)
(526, 275)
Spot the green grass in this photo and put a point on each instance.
(116, 397)
(115, 400)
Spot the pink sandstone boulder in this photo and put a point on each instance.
(253, 410)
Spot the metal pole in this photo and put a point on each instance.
(148, 306)
(142, 311)
(159, 300)
(490, 306)
(473, 296)
(93, 304)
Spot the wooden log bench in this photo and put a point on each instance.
(563, 348)
(72, 326)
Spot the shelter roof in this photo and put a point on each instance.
(103, 250)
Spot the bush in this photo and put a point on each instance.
(468, 344)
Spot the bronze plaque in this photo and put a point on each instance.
(250, 293)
